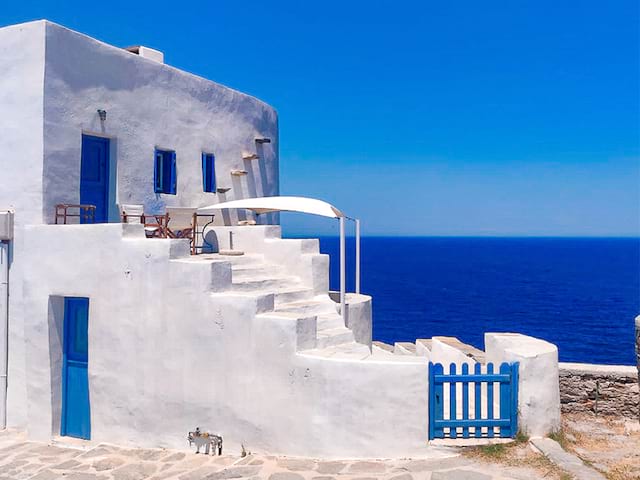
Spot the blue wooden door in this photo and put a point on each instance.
(94, 175)
(76, 414)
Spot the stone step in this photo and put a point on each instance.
(383, 346)
(247, 258)
(315, 306)
(248, 270)
(328, 321)
(264, 282)
(404, 348)
(467, 350)
(291, 294)
(343, 351)
(334, 336)
(423, 347)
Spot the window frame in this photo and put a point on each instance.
(164, 171)
(208, 172)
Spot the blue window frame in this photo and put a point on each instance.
(164, 177)
(208, 172)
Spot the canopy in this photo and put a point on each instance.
(281, 204)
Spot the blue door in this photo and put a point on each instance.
(76, 415)
(94, 175)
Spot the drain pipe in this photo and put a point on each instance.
(4, 329)
(6, 234)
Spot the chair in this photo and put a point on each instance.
(183, 223)
(154, 225)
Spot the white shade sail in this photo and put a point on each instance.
(312, 206)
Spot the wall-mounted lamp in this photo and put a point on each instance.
(102, 114)
(263, 140)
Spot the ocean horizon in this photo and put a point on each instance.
(580, 293)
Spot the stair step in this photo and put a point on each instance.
(468, 350)
(247, 258)
(291, 294)
(263, 282)
(248, 270)
(328, 321)
(383, 346)
(334, 336)
(344, 351)
(404, 348)
(316, 307)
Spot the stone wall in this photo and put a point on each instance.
(616, 389)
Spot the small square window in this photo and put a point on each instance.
(208, 172)
(165, 172)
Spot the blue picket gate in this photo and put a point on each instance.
(476, 417)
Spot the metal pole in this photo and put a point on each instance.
(4, 329)
(358, 256)
(343, 310)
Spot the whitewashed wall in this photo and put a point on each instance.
(22, 51)
(148, 105)
(53, 81)
(166, 355)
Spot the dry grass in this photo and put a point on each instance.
(517, 454)
(603, 443)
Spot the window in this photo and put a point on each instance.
(208, 172)
(165, 172)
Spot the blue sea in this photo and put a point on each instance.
(580, 293)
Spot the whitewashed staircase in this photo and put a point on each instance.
(284, 296)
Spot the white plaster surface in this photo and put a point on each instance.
(539, 391)
(52, 84)
(175, 343)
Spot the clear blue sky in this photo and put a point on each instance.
(489, 118)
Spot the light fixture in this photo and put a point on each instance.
(102, 114)
(263, 140)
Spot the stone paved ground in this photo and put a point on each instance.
(21, 459)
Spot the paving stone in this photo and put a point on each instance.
(440, 464)
(12, 466)
(234, 472)
(367, 467)
(174, 457)
(95, 452)
(364, 478)
(134, 471)
(245, 460)
(257, 461)
(297, 464)
(565, 460)
(46, 475)
(199, 473)
(459, 475)
(331, 467)
(285, 476)
(321, 477)
(144, 454)
(83, 476)
(108, 463)
(404, 476)
(68, 465)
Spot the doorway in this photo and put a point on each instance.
(76, 413)
(94, 176)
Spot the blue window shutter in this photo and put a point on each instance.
(157, 172)
(212, 173)
(205, 177)
(172, 186)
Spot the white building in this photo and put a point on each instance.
(115, 337)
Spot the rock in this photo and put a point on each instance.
(566, 461)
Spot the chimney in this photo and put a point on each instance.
(146, 52)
